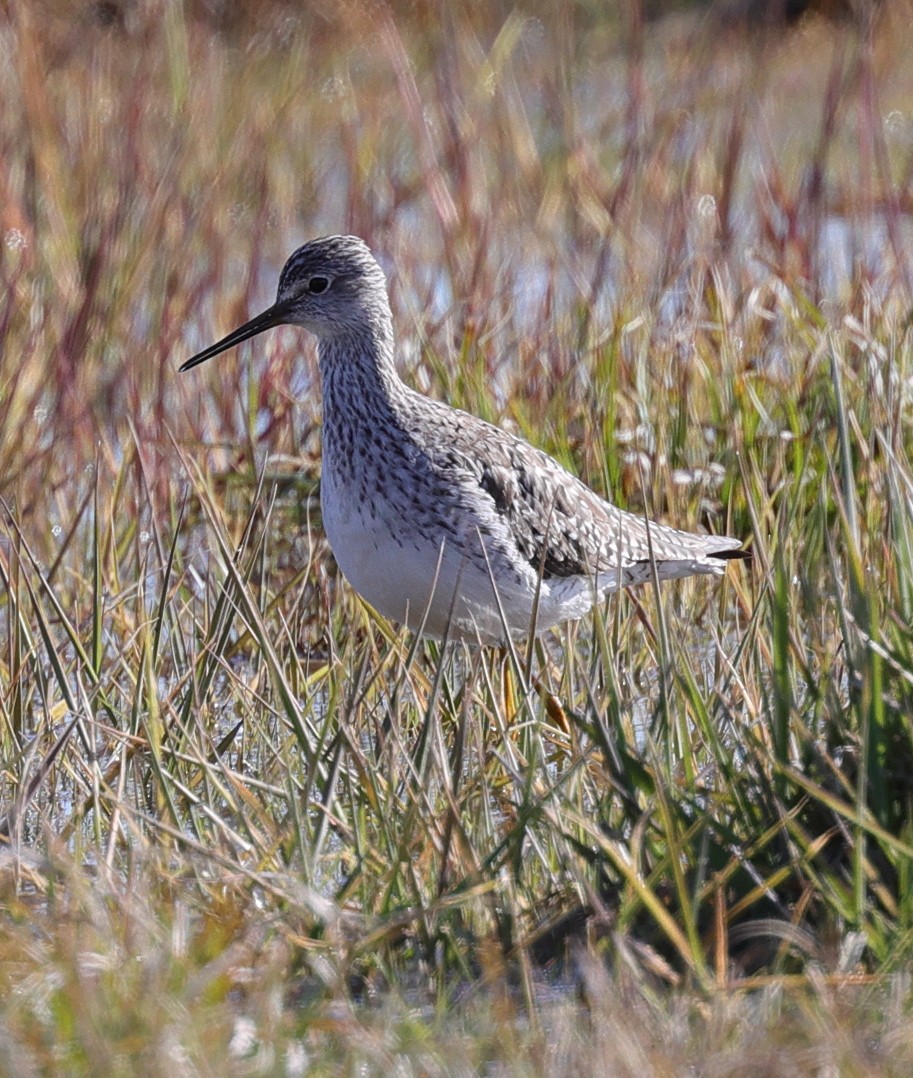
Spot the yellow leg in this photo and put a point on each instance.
(553, 707)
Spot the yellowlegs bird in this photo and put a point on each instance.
(437, 518)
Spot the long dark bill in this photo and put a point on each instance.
(272, 316)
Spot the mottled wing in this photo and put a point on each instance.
(552, 516)
(559, 525)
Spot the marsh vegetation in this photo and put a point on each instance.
(249, 827)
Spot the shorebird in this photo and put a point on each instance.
(438, 519)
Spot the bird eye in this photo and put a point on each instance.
(316, 285)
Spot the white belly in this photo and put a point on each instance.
(422, 578)
(413, 578)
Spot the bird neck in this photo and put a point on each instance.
(358, 372)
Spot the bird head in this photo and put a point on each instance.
(331, 286)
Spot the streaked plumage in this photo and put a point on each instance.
(437, 518)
